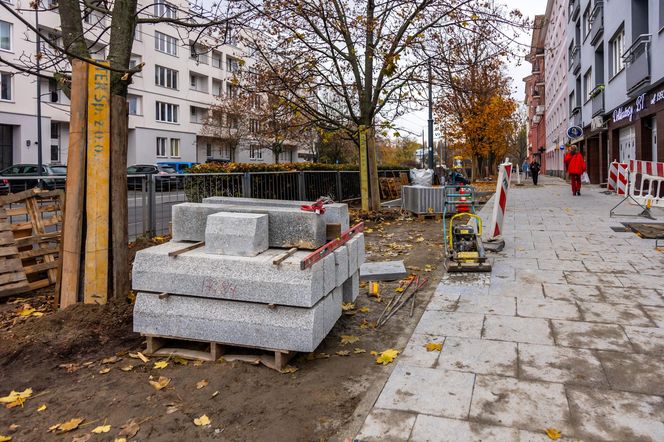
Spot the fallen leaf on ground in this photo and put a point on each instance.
(346, 306)
(399, 289)
(82, 438)
(552, 433)
(387, 356)
(179, 360)
(368, 230)
(129, 429)
(172, 409)
(42, 407)
(359, 350)
(104, 370)
(127, 368)
(343, 353)
(419, 239)
(26, 310)
(38, 314)
(201, 384)
(119, 439)
(364, 310)
(215, 394)
(288, 369)
(428, 268)
(16, 398)
(71, 424)
(160, 364)
(102, 429)
(5, 438)
(431, 346)
(203, 420)
(160, 383)
(111, 360)
(140, 356)
(198, 363)
(348, 339)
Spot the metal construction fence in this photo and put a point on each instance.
(151, 197)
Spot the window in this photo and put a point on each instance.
(134, 61)
(5, 36)
(198, 53)
(232, 64)
(164, 9)
(208, 150)
(175, 147)
(87, 16)
(161, 147)
(192, 81)
(216, 60)
(165, 77)
(588, 83)
(134, 104)
(255, 153)
(572, 102)
(138, 34)
(53, 90)
(587, 21)
(254, 126)
(167, 112)
(5, 86)
(165, 43)
(231, 91)
(225, 152)
(55, 131)
(55, 153)
(616, 48)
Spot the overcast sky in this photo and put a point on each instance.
(417, 121)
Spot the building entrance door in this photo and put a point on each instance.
(654, 139)
(627, 144)
(6, 146)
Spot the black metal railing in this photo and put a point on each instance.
(637, 63)
(597, 23)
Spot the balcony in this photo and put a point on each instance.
(637, 62)
(539, 110)
(575, 119)
(597, 95)
(597, 20)
(574, 9)
(575, 59)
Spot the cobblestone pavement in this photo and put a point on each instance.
(567, 332)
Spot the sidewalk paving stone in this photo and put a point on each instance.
(638, 373)
(656, 314)
(596, 279)
(642, 281)
(387, 425)
(547, 308)
(440, 429)
(590, 335)
(515, 329)
(616, 415)
(557, 264)
(415, 352)
(486, 305)
(436, 323)
(526, 405)
(570, 292)
(428, 391)
(614, 314)
(479, 356)
(560, 364)
(646, 339)
(615, 295)
(514, 289)
(536, 276)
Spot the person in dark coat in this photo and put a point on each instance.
(576, 167)
(534, 170)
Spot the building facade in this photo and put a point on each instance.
(616, 80)
(168, 100)
(555, 82)
(536, 96)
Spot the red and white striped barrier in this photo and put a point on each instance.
(623, 179)
(647, 182)
(502, 187)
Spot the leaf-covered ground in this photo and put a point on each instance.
(85, 363)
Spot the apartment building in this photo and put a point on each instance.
(536, 95)
(616, 80)
(555, 83)
(168, 101)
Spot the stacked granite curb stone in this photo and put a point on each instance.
(230, 291)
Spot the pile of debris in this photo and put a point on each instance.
(240, 272)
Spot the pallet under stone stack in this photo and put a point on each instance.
(212, 294)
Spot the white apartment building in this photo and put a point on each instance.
(168, 101)
(555, 83)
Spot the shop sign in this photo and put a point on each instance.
(657, 97)
(629, 111)
(574, 132)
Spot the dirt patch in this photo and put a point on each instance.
(59, 355)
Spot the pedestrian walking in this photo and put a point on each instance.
(524, 167)
(576, 167)
(568, 157)
(534, 171)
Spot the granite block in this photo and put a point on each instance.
(351, 287)
(239, 234)
(352, 255)
(383, 271)
(341, 264)
(237, 322)
(287, 227)
(361, 252)
(336, 213)
(255, 279)
(329, 273)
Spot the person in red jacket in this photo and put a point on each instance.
(576, 167)
(568, 157)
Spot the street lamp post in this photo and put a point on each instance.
(39, 117)
(430, 118)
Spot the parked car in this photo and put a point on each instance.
(19, 176)
(4, 186)
(164, 180)
(179, 166)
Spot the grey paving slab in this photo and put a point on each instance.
(416, 353)
(526, 405)
(440, 429)
(428, 391)
(541, 436)
(351, 287)
(437, 323)
(557, 264)
(536, 276)
(638, 373)
(646, 339)
(656, 314)
(382, 271)
(454, 290)
(547, 308)
(598, 266)
(614, 314)
(642, 281)
(479, 356)
(632, 296)
(590, 335)
(560, 364)
(486, 304)
(572, 292)
(616, 415)
(515, 329)
(596, 279)
(513, 289)
(387, 425)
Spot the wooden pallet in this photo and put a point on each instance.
(390, 188)
(12, 277)
(212, 351)
(423, 216)
(35, 239)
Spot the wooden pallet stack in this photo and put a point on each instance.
(30, 231)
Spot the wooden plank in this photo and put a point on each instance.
(8, 250)
(29, 270)
(193, 246)
(37, 239)
(281, 258)
(38, 252)
(10, 265)
(38, 226)
(97, 218)
(119, 210)
(72, 227)
(14, 288)
(24, 225)
(12, 277)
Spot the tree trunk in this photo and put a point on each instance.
(119, 212)
(373, 169)
(123, 26)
